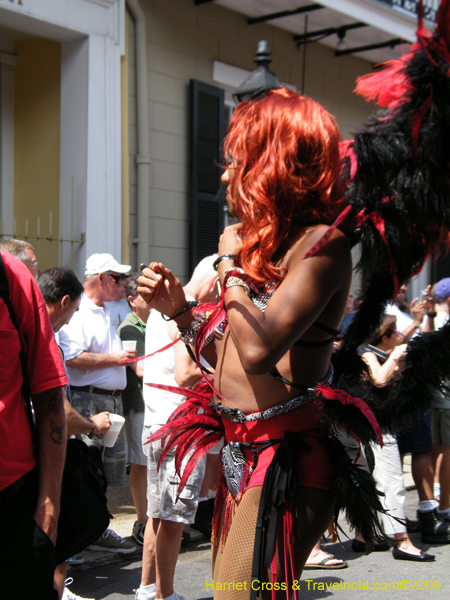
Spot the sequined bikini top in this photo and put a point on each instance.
(261, 300)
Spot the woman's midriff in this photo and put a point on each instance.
(315, 467)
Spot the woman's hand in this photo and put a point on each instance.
(417, 310)
(230, 240)
(399, 352)
(398, 356)
(159, 287)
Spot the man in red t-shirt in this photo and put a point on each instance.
(29, 493)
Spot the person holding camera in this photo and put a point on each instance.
(418, 439)
(383, 354)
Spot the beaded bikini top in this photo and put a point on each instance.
(261, 301)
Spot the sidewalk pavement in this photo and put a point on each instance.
(120, 504)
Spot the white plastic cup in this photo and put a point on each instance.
(109, 438)
(129, 344)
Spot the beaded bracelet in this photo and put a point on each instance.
(237, 281)
(235, 269)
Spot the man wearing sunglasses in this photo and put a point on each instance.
(119, 306)
(93, 353)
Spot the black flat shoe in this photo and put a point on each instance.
(422, 557)
(380, 546)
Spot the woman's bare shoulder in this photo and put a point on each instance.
(315, 233)
(336, 245)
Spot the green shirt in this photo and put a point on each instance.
(133, 329)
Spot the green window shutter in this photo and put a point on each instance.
(207, 130)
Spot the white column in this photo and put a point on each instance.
(90, 182)
(7, 69)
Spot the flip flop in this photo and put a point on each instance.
(323, 564)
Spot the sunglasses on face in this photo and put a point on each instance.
(117, 278)
(31, 264)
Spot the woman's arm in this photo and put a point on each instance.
(381, 375)
(417, 312)
(261, 338)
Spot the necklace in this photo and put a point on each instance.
(139, 322)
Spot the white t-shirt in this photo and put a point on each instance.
(119, 308)
(93, 329)
(159, 404)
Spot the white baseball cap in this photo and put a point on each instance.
(205, 269)
(101, 263)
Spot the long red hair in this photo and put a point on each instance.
(284, 152)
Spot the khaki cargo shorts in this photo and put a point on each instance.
(162, 485)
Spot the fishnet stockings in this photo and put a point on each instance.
(314, 512)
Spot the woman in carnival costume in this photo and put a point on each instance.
(285, 272)
(282, 315)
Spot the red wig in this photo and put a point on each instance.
(284, 150)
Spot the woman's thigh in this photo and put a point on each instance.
(313, 513)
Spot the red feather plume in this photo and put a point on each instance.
(332, 394)
(387, 87)
(202, 449)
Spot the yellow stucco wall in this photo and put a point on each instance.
(37, 114)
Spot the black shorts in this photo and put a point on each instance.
(27, 555)
(418, 438)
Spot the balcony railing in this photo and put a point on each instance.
(410, 7)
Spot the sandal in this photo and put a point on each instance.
(323, 564)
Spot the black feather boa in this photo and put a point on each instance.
(400, 215)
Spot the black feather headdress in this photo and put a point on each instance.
(397, 177)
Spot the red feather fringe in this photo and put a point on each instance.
(391, 86)
(193, 429)
(387, 87)
(345, 398)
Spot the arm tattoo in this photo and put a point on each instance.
(54, 401)
(56, 433)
